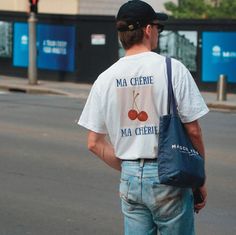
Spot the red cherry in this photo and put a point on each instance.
(132, 114)
(142, 116)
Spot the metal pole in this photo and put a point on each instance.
(32, 68)
(222, 88)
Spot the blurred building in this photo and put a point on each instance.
(85, 7)
(181, 45)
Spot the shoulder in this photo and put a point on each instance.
(157, 57)
(104, 80)
(109, 72)
(180, 74)
(178, 67)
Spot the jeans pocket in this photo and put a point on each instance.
(124, 189)
(128, 195)
(169, 201)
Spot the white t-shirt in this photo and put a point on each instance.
(127, 100)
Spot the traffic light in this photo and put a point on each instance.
(33, 6)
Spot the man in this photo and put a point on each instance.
(125, 103)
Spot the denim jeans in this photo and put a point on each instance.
(149, 206)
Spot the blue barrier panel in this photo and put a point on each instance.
(218, 56)
(20, 49)
(55, 46)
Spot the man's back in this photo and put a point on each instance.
(131, 96)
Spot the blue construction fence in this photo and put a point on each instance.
(77, 48)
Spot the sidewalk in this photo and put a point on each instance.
(70, 89)
(78, 90)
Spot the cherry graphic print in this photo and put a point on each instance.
(142, 116)
(132, 114)
(136, 113)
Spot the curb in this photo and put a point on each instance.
(39, 90)
(219, 106)
(32, 90)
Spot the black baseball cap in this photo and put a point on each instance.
(137, 14)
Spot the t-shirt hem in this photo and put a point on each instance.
(136, 157)
(196, 116)
(133, 159)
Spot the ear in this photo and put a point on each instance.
(147, 31)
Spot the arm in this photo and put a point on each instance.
(98, 145)
(194, 132)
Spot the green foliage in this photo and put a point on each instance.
(202, 9)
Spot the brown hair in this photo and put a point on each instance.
(129, 38)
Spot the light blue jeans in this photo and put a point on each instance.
(149, 206)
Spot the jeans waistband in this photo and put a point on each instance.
(145, 167)
(140, 161)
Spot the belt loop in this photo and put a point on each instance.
(142, 162)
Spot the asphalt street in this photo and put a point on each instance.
(51, 185)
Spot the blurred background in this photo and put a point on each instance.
(73, 34)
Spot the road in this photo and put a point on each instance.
(51, 185)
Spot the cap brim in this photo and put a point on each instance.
(161, 16)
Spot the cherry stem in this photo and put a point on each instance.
(134, 100)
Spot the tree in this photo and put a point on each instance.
(225, 9)
(202, 9)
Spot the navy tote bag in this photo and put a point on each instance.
(179, 164)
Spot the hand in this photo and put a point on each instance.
(199, 206)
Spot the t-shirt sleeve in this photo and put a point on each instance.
(190, 103)
(92, 116)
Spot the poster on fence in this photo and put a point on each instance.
(5, 39)
(55, 46)
(218, 56)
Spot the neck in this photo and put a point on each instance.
(136, 49)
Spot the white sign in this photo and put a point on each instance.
(98, 39)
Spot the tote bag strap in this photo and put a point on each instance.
(171, 98)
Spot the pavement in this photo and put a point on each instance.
(80, 90)
(70, 89)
